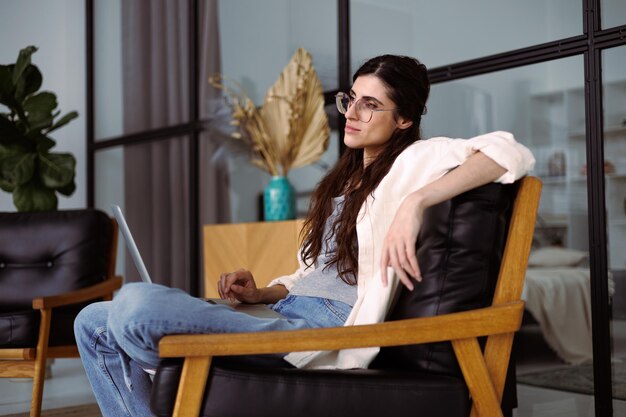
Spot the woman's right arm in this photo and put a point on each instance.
(240, 286)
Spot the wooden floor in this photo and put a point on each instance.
(68, 386)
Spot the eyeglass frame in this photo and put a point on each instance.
(340, 107)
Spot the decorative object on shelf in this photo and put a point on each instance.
(28, 169)
(609, 168)
(289, 130)
(556, 164)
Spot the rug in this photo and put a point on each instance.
(86, 410)
(576, 379)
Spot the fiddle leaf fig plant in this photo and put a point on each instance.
(28, 168)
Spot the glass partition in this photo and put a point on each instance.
(253, 54)
(108, 85)
(444, 32)
(543, 105)
(109, 188)
(255, 50)
(613, 13)
(140, 66)
(614, 137)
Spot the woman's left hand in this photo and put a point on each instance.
(399, 245)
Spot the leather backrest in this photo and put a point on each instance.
(48, 253)
(459, 250)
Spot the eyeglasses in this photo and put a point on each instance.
(363, 109)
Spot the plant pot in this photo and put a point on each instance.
(279, 200)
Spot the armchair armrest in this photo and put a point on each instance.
(474, 323)
(461, 328)
(84, 294)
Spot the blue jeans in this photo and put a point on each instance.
(119, 339)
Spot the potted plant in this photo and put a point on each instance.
(28, 168)
(289, 130)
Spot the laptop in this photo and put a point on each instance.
(257, 310)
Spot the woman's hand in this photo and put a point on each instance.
(399, 245)
(240, 286)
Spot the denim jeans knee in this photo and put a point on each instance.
(89, 319)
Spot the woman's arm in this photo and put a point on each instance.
(399, 245)
(240, 285)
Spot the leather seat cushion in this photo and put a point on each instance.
(274, 392)
(20, 329)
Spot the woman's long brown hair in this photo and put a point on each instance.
(407, 85)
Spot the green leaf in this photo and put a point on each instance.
(68, 190)
(23, 61)
(34, 197)
(38, 109)
(4, 186)
(9, 99)
(9, 134)
(29, 83)
(56, 169)
(44, 144)
(63, 121)
(17, 168)
(7, 87)
(41, 103)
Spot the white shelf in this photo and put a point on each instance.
(609, 132)
(557, 126)
(554, 180)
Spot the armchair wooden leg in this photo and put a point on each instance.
(192, 385)
(40, 363)
(498, 351)
(477, 377)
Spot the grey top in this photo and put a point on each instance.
(324, 281)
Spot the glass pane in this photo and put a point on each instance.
(613, 13)
(150, 181)
(108, 106)
(614, 96)
(254, 51)
(444, 32)
(109, 189)
(543, 105)
(140, 73)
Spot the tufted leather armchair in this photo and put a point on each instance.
(52, 264)
(445, 347)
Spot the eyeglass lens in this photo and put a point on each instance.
(344, 102)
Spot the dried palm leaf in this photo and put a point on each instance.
(290, 129)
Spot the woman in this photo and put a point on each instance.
(359, 241)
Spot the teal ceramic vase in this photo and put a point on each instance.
(279, 200)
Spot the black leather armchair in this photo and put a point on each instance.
(460, 250)
(52, 264)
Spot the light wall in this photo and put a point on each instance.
(57, 28)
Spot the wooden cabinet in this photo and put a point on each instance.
(267, 249)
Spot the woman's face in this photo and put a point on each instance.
(371, 136)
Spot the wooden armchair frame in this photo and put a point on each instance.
(31, 362)
(484, 371)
